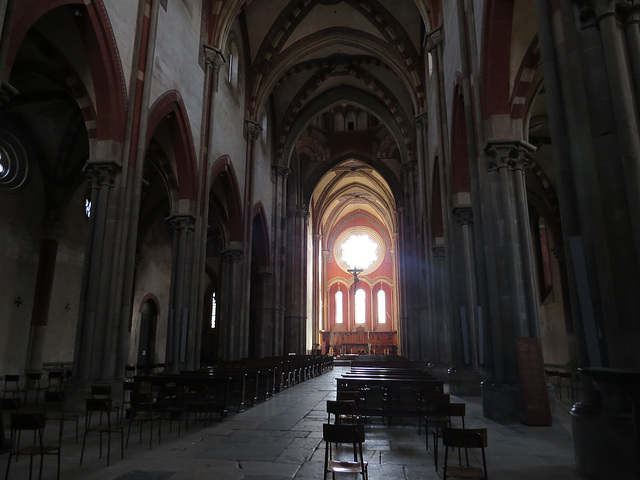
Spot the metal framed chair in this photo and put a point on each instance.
(144, 410)
(33, 422)
(32, 384)
(335, 435)
(103, 426)
(467, 439)
(54, 409)
(12, 386)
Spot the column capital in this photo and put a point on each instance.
(102, 174)
(302, 211)
(463, 215)
(254, 129)
(409, 166)
(421, 120)
(181, 223)
(213, 57)
(511, 154)
(231, 255)
(280, 171)
(593, 11)
(438, 252)
(434, 38)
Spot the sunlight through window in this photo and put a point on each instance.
(339, 307)
(382, 308)
(359, 251)
(361, 306)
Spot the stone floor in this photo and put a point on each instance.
(282, 439)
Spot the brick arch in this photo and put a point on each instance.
(497, 28)
(314, 83)
(386, 24)
(224, 167)
(170, 107)
(265, 80)
(523, 88)
(102, 55)
(340, 94)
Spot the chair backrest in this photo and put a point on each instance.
(341, 407)
(27, 421)
(101, 391)
(102, 405)
(464, 438)
(343, 433)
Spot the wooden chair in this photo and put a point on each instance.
(143, 410)
(445, 414)
(430, 407)
(467, 439)
(33, 422)
(342, 410)
(104, 408)
(54, 410)
(339, 434)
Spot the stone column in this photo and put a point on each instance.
(296, 318)
(464, 221)
(514, 303)
(180, 329)
(92, 338)
(263, 324)
(279, 176)
(316, 288)
(229, 312)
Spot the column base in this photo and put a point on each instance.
(604, 443)
(502, 402)
(465, 382)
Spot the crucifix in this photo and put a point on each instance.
(355, 271)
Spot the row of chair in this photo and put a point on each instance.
(436, 411)
(14, 387)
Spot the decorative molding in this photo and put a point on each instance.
(463, 216)
(232, 255)
(434, 38)
(254, 129)
(102, 174)
(181, 223)
(312, 145)
(213, 57)
(510, 154)
(438, 252)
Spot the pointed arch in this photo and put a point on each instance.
(170, 107)
(102, 55)
(224, 168)
(495, 70)
(261, 235)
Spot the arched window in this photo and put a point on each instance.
(213, 310)
(339, 318)
(361, 306)
(382, 307)
(233, 65)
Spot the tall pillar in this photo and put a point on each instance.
(181, 330)
(93, 339)
(296, 306)
(279, 176)
(514, 313)
(228, 321)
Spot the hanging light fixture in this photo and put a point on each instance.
(355, 271)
